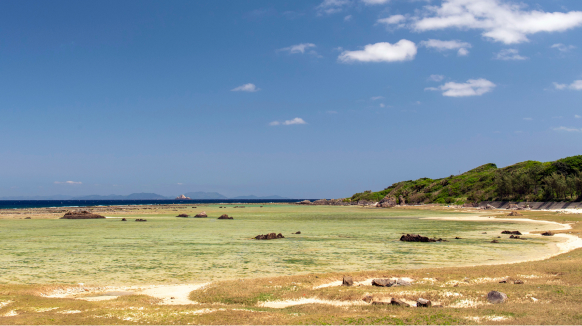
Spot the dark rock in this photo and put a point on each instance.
(385, 282)
(548, 233)
(423, 303)
(80, 215)
(367, 298)
(269, 236)
(298, 232)
(225, 217)
(398, 302)
(484, 233)
(514, 236)
(401, 200)
(457, 238)
(183, 215)
(123, 220)
(495, 241)
(203, 214)
(418, 238)
(28, 218)
(280, 236)
(496, 297)
(511, 232)
(518, 282)
(381, 302)
(347, 281)
(140, 220)
(503, 281)
(193, 206)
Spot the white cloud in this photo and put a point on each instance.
(563, 48)
(577, 116)
(509, 54)
(382, 105)
(393, 20)
(331, 112)
(246, 88)
(436, 78)
(403, 50)
(500, 21)
(375, 2)
(329, 7)
(298, 48)
(576, 85)
(348, 18)
(448, 45)
(567, 129)
(374, 98)
(473, 87)
(528, 119)
(68, 182)
(296, 121)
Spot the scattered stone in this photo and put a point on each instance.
(269, 236)
(423, 303)
(518, 282)
(457, 238)
(124, 220)
(511, 232)
(347, 281)
(140, 220)
(495, 241)
(381, 302)
(183, 215)
(514, 236)
(225, 217)
(503, 281)
(418, 238)
(80, 215)
(193, 206)
(484, 233)
(496, 297)
(514, 214)
(298, 232)
(400, 282)
(385, 282)
(398, 302)
(367, 298)
(28, 218)
(203, 214)
(548, 233)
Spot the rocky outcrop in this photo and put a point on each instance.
(225, 217)
(514, 214)
(387, 202)
(203, 214)
(496, 297)
(387, 282)
(270, 236)
(401, 200)
(347, 281)
(304, 202)
(321, 202)
(418, 238)
(511, 232)
(182, 197)
(80, 215)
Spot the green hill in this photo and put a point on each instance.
(560, 180)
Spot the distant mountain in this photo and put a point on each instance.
(135, 196)
(54, 197)
(257, 197)
(204, 195)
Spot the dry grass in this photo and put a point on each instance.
(552, 294)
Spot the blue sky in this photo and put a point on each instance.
(303, 99)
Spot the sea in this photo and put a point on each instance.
(11, 204)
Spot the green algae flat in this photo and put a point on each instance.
(167, 249)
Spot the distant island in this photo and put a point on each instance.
(142, 196)
(531, 181)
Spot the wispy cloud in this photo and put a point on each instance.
(394, 20)
(374, 98)
(509, 54)
(348, 18)
(403, 50)
(375, 2)
(246, 88)
(473, 87)
(297, 48)
(436, 78)
(68, 182)
(440, 45)
(528, 119)
(562, 47)
(576, 85)
(296, 121)
(567, 129)
(331, 112)
(577, 116)
(328, 7)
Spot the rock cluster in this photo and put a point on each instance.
(548, 233)
(387, 202)
(140, 220)
(183, 215)
(514, 214)
(386, 282)
(418, 238)
(269, 236)
(332, 202)
(225, 217)
(203, 214)
(80, 215)
(511, 232)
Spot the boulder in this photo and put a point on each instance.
(548, 233)
(298, 232)
(401, 200)
(495, 241)
(387, 202)
(489, 206)
(183, 215)
(123, 220)
(225, 217)
(423, 303)
(347, 281)
(514, 214)
(384, 282)
(80, 215)
(418, 238)
(401, 282)
(514, 236)
(321, 202)
(140, 220)
(28, 218)
(203, 214)
(511, 232)
(518, 282)
(496, 297)
(269, 236)
(399, 302)
(367, 298)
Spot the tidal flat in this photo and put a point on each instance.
(169, 250)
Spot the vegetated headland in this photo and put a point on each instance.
(530, 181)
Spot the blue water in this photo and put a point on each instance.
(84, 203)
